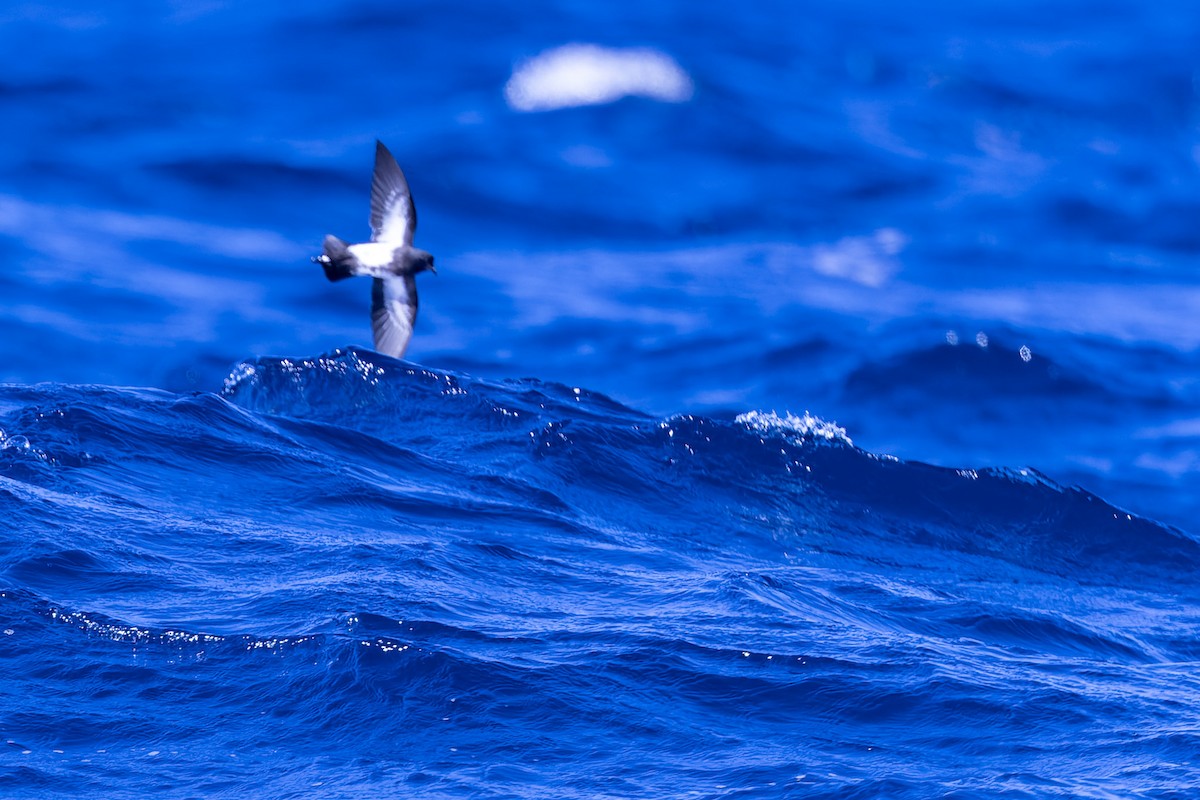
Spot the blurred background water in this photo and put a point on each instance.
(966, 233)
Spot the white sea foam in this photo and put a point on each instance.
(804, 427)
(867, 260)
(587, 74)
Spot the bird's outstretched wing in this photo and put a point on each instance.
(393, 313)
(393, 215)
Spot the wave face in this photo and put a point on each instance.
(349, 575)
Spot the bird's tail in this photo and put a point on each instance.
(336, 260)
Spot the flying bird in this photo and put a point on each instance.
(389, 257)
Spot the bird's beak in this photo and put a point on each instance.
(431, 269)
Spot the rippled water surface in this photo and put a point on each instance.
(805, 404)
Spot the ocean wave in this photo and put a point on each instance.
(430, 570)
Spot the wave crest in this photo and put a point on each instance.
(794, 427)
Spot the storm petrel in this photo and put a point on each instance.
(389, 258)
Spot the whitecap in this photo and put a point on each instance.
(803, 427)
(587, 74)
(866, 260)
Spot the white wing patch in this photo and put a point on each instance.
(393, 215)
(393, 313)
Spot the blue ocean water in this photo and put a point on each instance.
(805, 405)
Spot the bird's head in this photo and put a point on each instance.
(421, 261)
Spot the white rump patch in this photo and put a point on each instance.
(587, 74)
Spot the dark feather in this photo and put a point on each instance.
(393, 215)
